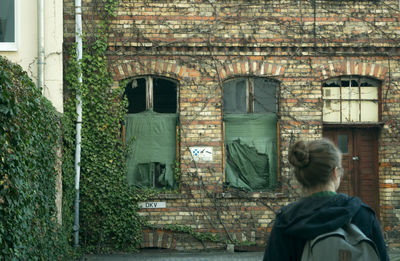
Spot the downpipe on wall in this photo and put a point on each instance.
(78, 40)
(41, 47)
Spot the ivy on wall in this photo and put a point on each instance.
(108, 206)
(29, 138)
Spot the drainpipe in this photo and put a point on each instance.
(78, 40)
(40, 14)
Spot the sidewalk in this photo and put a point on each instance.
(159, 255)
(165, 255)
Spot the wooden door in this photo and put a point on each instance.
(360, 162)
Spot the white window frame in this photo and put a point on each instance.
(342, 99)
(13, 46)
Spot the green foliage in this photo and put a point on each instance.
(177, 174)
(108, 206)
(111, 7)
(202, 236)
(29, 138)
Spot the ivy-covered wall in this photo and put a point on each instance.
(108, 206)
(29, 140)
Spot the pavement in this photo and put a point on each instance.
(157, 255)
(166, 255)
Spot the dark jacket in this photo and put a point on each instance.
(314, 215)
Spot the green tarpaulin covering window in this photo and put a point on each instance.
(251, 151)
(151, 138)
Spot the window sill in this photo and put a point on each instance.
(233, 194)
(353, 124)
(8, 47)
(251, 195)
(171, 195)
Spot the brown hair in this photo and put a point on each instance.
(314, 161)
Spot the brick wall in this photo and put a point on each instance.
(202, 43)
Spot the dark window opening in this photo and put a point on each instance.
(331, 83)
(150, 173)
(343, 143)
(164, 92)
(151, 94)
(135, 92)
(345, 83)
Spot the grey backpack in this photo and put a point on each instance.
(347, 243)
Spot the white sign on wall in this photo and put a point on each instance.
(152, 204)
(202, 153)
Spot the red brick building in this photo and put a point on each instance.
(232, 84)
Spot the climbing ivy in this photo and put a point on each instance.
(29, 140)
(108, 206)
(201, 236)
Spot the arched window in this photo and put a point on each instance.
(351, 99)
(250, 120)
(151, 94)
(150, 131)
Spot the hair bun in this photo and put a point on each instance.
(299, 155)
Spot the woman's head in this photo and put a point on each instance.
(314, 162)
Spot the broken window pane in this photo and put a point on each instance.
(331, 83)
(354, 82)
(161, 94)
(346, 82)
(368, 82)
(356, 100)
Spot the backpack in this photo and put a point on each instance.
(347, 243)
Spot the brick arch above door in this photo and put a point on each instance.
(255, 68)
(156, 67)
(349, 67)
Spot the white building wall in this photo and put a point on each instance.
(27, 53)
